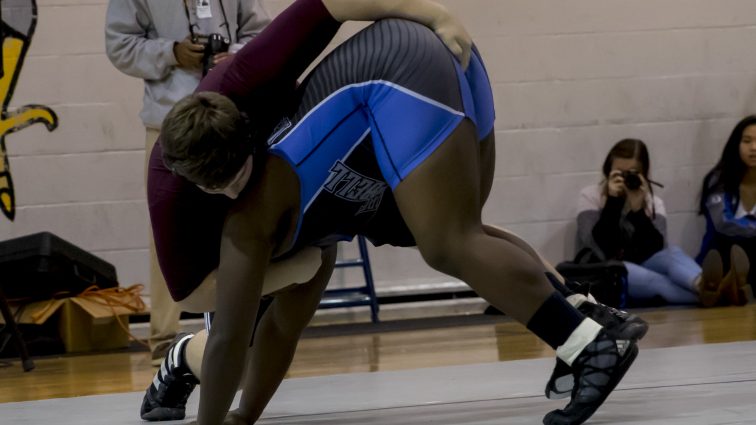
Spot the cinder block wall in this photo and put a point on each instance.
(570, 79)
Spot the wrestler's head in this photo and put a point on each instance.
(204, 139)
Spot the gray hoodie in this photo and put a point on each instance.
(139, 38)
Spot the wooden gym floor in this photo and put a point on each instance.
(502, 352)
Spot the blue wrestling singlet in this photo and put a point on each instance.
(369, 114)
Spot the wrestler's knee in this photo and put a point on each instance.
(444, 251)
(287, 323)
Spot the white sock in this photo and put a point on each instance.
(577, 299)
(583, 335)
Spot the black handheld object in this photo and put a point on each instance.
(632, 180)
(214, 44)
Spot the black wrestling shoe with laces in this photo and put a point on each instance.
(597, 371)
(619, 324)
(165, 399)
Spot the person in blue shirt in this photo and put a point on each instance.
(728, 202)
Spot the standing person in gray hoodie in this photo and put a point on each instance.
(171, 44)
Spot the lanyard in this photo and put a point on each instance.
(191, 25)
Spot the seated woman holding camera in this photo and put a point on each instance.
(728, 201)
(621, 219)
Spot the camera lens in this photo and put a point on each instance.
(632, 180)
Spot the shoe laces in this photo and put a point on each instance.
(175, 390)
(622, 315)
(595, 368)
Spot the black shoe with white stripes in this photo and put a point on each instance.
(617, 323)
(597, 371)
(165, 399)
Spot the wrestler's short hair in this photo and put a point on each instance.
(204, 138)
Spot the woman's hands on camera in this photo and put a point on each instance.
(188, 54)
(615, 184)
(635, 199)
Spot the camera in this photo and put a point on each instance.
(632, 180)
(214, 44)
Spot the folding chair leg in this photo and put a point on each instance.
(368, 279)
(26, 362)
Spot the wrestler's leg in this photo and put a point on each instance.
(607, 318)
(443, 192)
(487, 155)
(487, 158)
(621, 323)
(498, 270)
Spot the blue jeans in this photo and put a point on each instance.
(670, 274)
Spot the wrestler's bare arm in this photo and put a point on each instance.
(426, 12)
(255, 230)
(243, 259)
(261, 378)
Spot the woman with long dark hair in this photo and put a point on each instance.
(622, 219)
(728, 201)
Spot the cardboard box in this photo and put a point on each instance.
(88, 322)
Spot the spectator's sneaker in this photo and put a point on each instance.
(597, 370)
(617, 323)
(165, 399)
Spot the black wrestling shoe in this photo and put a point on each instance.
(165, 399)
(597, 371)
(619, 324)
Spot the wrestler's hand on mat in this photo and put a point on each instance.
(232, 418)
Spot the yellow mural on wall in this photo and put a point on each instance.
(19, 18)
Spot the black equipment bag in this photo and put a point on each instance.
(42, 265)
(606, 280)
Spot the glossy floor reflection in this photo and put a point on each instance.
(708, 384)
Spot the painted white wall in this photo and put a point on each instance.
(570, 79)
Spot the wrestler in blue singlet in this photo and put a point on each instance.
(350, 114)
(370, 113)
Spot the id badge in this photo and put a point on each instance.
(203, 9)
